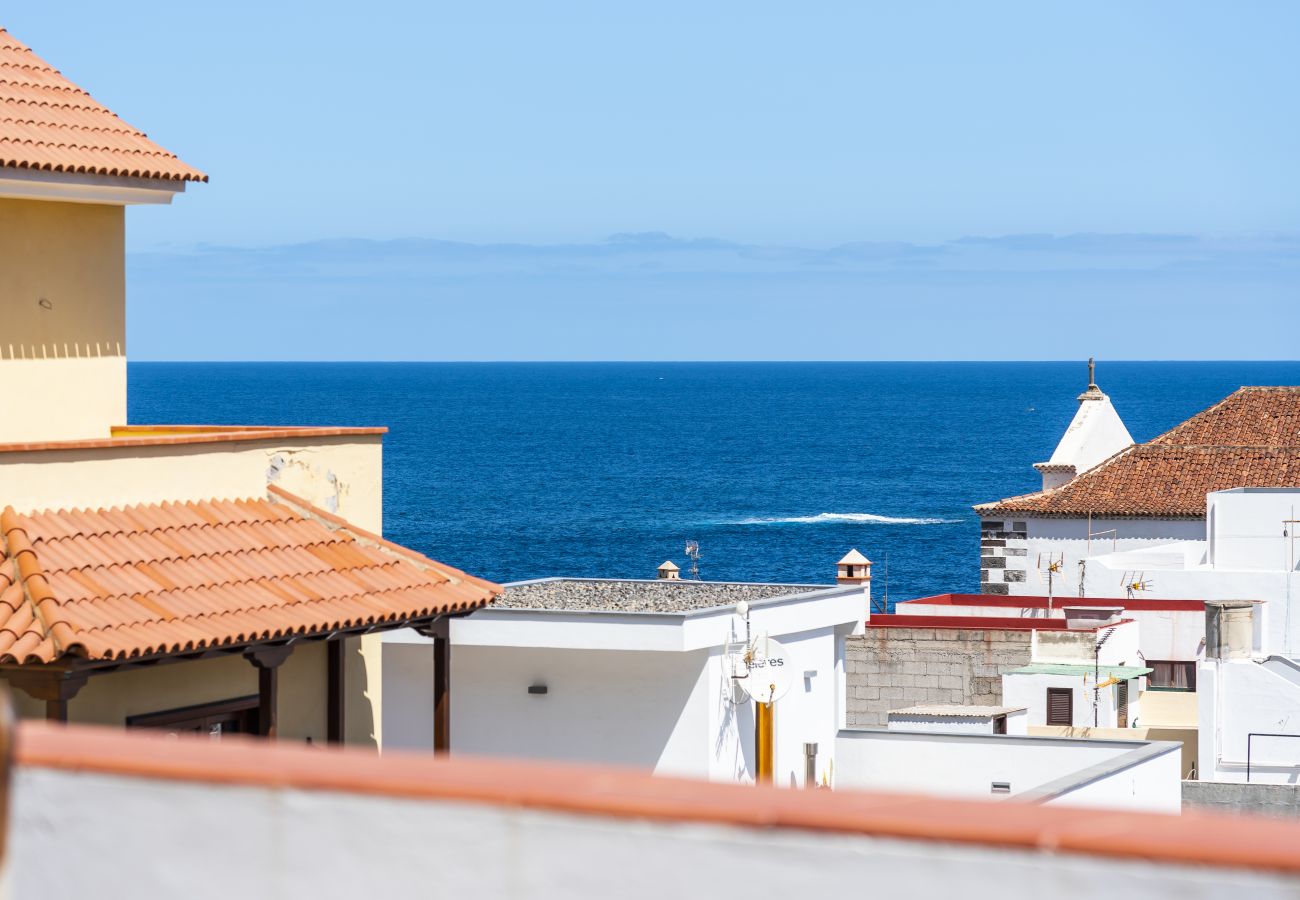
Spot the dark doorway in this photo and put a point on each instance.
(238, 716)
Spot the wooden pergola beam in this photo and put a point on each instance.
(268, 660)
(334, 693)
(55, 686)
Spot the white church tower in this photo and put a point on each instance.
(1095, 434)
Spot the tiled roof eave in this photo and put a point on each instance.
(108, 587)
(82, 660)
(67, 135)
(1083, 514)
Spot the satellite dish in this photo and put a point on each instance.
(770, 673)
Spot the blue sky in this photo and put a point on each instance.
(984, 165)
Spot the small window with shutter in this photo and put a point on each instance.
(1060, 706)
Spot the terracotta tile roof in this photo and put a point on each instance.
(1248, 417)
(168, 578)
(49, 124)
(1249, 439)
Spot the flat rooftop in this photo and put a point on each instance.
(648, 596)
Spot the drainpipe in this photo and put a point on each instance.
(810, 765)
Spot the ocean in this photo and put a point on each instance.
(525, 470)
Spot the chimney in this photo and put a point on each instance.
(854, 568)
(1229, 629)
(668, 571)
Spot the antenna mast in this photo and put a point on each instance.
(693, 554)
(1053, 568)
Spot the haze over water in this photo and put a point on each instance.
(524, 470)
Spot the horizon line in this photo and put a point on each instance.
(562, 362)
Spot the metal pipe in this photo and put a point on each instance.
(810, 764)
(763, 743)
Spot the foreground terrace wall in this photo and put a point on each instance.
(319, 822)
(894, 668)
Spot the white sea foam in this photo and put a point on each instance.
(834, 518)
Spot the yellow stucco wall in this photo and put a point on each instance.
(343, 474)
(63, 309)
(110, 698)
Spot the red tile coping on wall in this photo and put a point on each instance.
(1134, 605)
(1192, 839)
(154, 435)
(979, 623)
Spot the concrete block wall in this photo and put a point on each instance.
(1004, 556)
(894, 668)
(1280, 800)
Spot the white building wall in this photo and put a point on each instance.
(1013, 550)
(666, 711)
(810, 711)
(1241, 697)
(1154, 785)
(648, 709)
(1248, 529)
(1030, 691)
(957, 765)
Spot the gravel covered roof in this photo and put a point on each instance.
(611, 595)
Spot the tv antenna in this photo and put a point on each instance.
(693, 554)
(884, 605)
(1049, 566)
(736, 655)
(1096, 674)
(1135, 583)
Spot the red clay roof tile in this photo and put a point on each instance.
(168, 578)
(1251, 438)
(47, 123)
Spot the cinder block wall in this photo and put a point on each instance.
(893, 668)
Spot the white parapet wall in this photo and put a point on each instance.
(1250, 720)
(1141, 775)
(111, 815)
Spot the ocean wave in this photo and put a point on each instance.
(836, 518)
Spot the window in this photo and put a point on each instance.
(1171, 675)
(1060, 706)
(1121, 705)
(237, 716)
(1000, 725)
